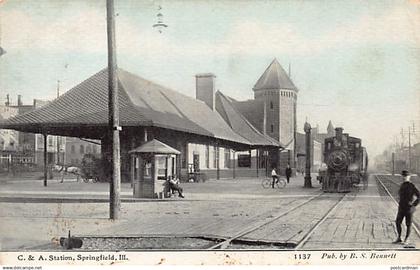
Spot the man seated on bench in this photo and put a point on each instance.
(174, 186)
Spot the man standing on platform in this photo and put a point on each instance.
(406, 205)
(288, 172)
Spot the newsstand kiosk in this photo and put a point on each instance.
(151, 166)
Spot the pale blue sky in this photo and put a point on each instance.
(355, 62)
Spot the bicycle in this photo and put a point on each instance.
(279, 183)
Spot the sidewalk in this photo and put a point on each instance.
(73, 191)
(215, 207)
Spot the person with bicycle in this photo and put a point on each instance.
(274, 176)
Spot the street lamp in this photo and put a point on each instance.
(307, 129)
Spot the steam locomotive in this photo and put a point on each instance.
(345, 165)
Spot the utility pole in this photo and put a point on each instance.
(57, 137)
(113, 115)
(409, 148)
(307, 129)
(393, 163)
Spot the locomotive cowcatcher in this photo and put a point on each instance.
(345, 163)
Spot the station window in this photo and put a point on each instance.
(82, 149)
(272, 128)
(244, 161)
(271, 105)
(227, 158)
(73, 149)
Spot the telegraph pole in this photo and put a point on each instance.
(393, 163)
(409, 148)
(307, 129)
(113, 115)
(57, 137)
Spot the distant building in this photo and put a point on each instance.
(316, 153)
(320, 137)
(29, 147)
(9, 139)
(76, 148)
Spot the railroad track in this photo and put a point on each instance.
(389, 179)
(260, 225)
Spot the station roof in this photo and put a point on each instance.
(83, 111)
(239, 123)
(274, 77)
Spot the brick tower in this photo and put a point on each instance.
(279, 95)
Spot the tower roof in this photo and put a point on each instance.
(274, 77)
(330, 126)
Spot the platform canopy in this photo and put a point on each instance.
(83, 112)
(156, 147)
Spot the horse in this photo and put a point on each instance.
(67, 169)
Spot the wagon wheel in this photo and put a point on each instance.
(95, 179)
(85, 179)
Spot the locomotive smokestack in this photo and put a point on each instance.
(339, 132)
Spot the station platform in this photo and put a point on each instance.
(217, 209)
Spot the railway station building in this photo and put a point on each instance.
(211, 134)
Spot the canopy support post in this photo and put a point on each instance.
(45, 159)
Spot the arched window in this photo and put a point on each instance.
(88, 149)
(82, 149)
(272, 128)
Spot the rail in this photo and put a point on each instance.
(311, 231)
(224, 244)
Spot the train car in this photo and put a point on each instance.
(346, 163)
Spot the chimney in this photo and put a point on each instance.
(19, 102)
(339, 132)
(205, 88)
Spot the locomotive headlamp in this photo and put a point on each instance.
(353, 167)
